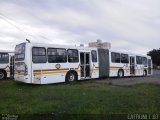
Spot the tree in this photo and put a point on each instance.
(155, 55)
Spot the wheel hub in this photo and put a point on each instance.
(71, 77)
(120, 74)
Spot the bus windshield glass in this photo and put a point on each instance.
(20, 52)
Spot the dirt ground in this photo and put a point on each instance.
(155, 78)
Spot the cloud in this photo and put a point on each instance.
(133, 25)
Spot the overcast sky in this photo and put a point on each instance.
(132, 25)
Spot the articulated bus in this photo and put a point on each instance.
(129, 64)
(6, 64)
(38, 63)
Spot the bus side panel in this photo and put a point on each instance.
(103, 55)
(46, 73)
(115, 67)
(139, 70)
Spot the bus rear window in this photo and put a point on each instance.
(20, 52)
(4, 58)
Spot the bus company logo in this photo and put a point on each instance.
(58, 66)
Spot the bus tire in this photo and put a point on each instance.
(120, 73)
(71, 76)
(145, 73)
(2, 74)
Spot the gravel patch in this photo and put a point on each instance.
(155, 79)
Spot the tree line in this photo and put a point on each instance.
(155, 55)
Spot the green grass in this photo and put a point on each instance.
(85, 97)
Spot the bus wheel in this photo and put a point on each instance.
(144, 73)
(120, 73)
(71, 76)
(2, 75)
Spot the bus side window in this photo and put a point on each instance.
(144, 61)
(72, 55)
(39, 55)
(149, 62)
(94, 56)
(139, 59)
(115, 57)
(57, 55)
(4, 58)
(124, 58)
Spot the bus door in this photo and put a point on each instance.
(12, 66)
(149, 66)
(132, 65)
(85, 64)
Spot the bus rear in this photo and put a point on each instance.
(22, 59)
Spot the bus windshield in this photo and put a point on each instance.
(20, 52)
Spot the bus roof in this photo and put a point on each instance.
(61, 46)
(82, 48)
(129, 53)
(6, 51)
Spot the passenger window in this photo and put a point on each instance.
(94, 56)
(57, 55)
(115, 57)
(4, 58)
(139, 59)
(144, 61)
(124, 58)
(73, 55)
(39, 55)
(149, 62)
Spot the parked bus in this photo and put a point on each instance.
(6, 64)
(129, 64)
(45, 63)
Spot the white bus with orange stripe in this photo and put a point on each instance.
(43, 64)
(38, 63)
(129, 64)
(6, 64)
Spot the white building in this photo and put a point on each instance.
(100, 44)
